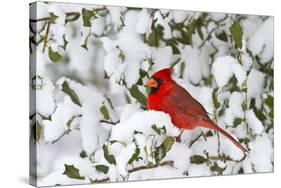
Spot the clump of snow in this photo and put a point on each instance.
(45, 104)
(65, 111)
(162, 57)
(225, 67)
(255, 90)
(235, 107)
(142, 122)
(262, 40)
(261, 153)
(143, 23)
(98, 26)
(180, 15)
(191, 57)
(254, 122)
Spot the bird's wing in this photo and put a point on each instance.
(184, 103)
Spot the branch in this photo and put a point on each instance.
(46, 35)
(165, 163)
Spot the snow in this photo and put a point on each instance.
(225, 67)
(143, 23)
(142, 122)
(64, 112)
(191, 57)
(98, 26)
(261, 154)
(262, 40)
(45, 104)
(180, 15)
(255, 90)
(254, 122)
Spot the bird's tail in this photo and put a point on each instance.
(213, 126)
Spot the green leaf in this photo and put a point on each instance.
(54, 56)
(155, 36)
(168, 143)
(237, 121)
(197, 159)
(159, 130)
(87, 15)
(71, 93)
(222, 36)
(217, 168)
(209, 133)
(236, 33)
(110, 158)
(72, 172)
(139, 96)
(122, 56)
(72, 17)
(160, 151)
(215, 98)
(269, 101)
(102, 168)
(83, 154)
(38, 129)
(135, 156)
(104, 112)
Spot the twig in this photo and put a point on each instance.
(46, 35)
(165, 163)
(110, 122)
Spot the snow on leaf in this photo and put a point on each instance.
(71, 93)
(109, 157)
(87, 16)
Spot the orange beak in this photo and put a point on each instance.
(151, 83)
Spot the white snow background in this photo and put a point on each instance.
(90, 123)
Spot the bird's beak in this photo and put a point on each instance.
(151, 83)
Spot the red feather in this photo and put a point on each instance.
(185, 111)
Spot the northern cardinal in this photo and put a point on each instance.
(185, 111)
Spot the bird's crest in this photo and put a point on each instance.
(164, 73)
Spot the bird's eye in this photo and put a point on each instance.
(159, 81)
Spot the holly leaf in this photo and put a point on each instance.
(160, 151)
(72, 172)
(139, 96)
(87, 15)
(104, 112)
(135, 156)
(215, 98)
(222, 36)
(71, 93)
(197, 159)
(102, 168)
(71, 17)
(54, 56)
(110, 158)
(237, 121)
(236, 33)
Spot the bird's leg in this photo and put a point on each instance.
(178, 138)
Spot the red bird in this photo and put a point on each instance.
(185, 111)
